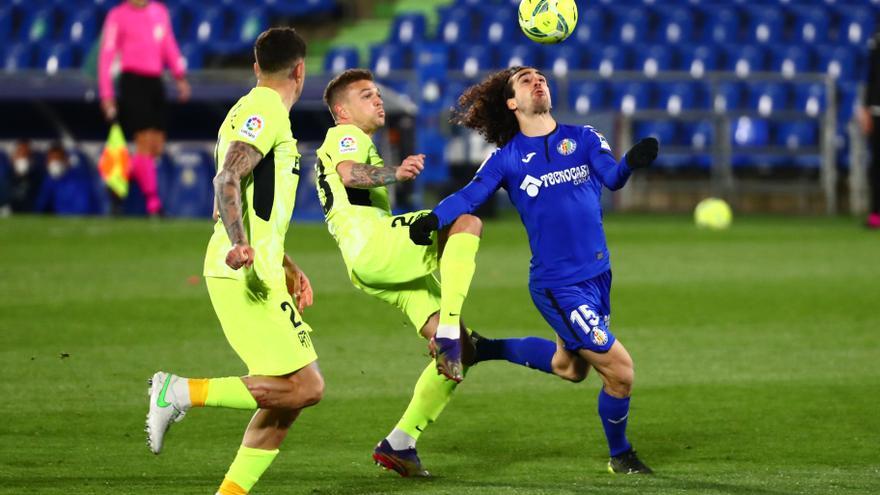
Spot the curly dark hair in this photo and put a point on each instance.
(483, 108)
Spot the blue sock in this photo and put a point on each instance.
(531, 352)
(614, 413)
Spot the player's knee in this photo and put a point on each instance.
(574, 376)
(469, 224)
(570, 371)
(620, 383)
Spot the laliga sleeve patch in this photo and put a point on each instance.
(602, 141)
(252, 127)
(348, 144)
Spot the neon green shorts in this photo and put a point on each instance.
(399, 272)
(269, 336)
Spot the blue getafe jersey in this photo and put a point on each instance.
(555, 182)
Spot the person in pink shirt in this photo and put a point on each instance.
(140, 32)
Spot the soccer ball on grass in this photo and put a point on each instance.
(547, 21)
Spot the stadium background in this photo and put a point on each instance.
(756, 348)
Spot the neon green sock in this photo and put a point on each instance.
(431, 394)
(229, 392)
(457, 267)
(248, 466)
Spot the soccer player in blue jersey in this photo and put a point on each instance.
(554, 176)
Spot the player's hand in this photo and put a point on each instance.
(299, 286)
(866, 120)
(411, 167)
(420, 230)
(183, 90)
(240, 255)
(109, 109)
(643, 153)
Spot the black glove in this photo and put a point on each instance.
(420, 230)
(643, 153)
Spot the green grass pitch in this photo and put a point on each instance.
(757, 356)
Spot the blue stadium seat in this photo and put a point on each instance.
(631, 97)
(791, 60)
(628, 24)
(183, 20)
(193, 55)
(768, 97)
(560, 60)
(499, 26)
(855, 24)
(766, 24)
(209, 27)
(721, 24)
(432, 143)
(847, 102)
(810, 98)
(666, 131)
(588, 96)
(19, 56)
(591, 27)
(674, 25)
(811, 24)
(676, 97)
(797, 134)
(431, 60)
(609, 59)
(456, 25)
(38, 26)
(299, 8)
(838, 62)
(726, 95)
(651, 59)
(246, 26)
(520, 54)
(6, 23)
(55, 57)
(745, 59)
(340, 58)
(749, 133)
(191, 193)
(472, 59)
(81, 29)
(387, 58)
(698, 59)
(407, 28)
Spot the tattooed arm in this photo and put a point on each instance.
(241, 159)
(364, 176)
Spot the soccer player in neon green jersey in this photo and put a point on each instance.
(247, 273)
(381, 260)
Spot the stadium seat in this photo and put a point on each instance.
(191, 193)
(387, 58)
(847, 102)
(193, 55)
(299, 8)
(791, 60)
(700, 136)
(726, 95)
(797, 134)
(698, 59)
(340, 58)
(666, 131)
(721, 24)
(407, 29)
(745, 59)
(431, 60)
(631, 97)
(56, 57)
(591, 27)
(432, 144)
(38, 26)
(676, 97)
(810, 98)
(766, 24)
(560, 60)
(628, 24)
(499, 26)
(456, 25)
(747, 132)
(651, 59)
(520, 54)
(588, 96)
(675, 25)
(472, 59)
(81, 29)
(183, 20)
(811, 24)
(838, 61)
(19, 56)
(246, 26)
(209, 27)
(6, 23)
(768, 97)
(609, 59)
(856, 24)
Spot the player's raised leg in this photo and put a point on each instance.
(457, 266)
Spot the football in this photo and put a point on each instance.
(547, 21)
(713, 213)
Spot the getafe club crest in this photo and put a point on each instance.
(566, 147)
(599, 336)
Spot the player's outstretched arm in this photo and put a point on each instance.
(365, 176)
(643, 153)
(613, 174)
(241, 159)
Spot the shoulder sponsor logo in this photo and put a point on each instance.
(347, 145)
(528, 157)
(252, 127)
(566, 147)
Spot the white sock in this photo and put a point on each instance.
(400, 440)
(448, 331)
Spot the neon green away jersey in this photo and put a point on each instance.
(268, 193)
(350, 212)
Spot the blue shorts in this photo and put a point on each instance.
(579, 313)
